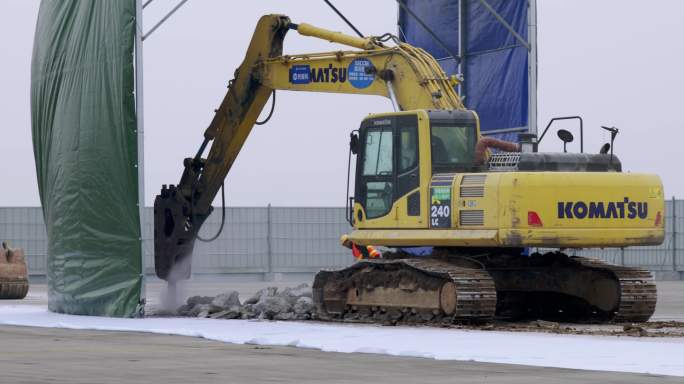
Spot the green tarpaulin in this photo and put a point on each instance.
(85, 147)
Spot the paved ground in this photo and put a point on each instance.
(41, 355)
(670, 301)
(71, 356)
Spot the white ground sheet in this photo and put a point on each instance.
(626, 354)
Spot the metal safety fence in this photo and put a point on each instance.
(253, 240)
(265, 240)
(260, 240)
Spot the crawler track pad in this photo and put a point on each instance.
(555, 286)
(406, 290)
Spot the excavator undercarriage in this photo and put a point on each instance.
(407, 289)
(451, 286)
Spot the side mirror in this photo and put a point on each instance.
(566, 137)
(613, 132)
(605, 148)
(354, 142)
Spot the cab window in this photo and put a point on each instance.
(378, 168)
(408, 148)
(378, 152)
(453, 147)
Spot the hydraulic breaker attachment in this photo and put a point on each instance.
(175, 231)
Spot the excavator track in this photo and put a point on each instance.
(638, 293)
(569, 288)
(405, 290)
(469, 287)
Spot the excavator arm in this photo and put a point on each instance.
(407, 75)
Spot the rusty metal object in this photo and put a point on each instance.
(483, 145)
(405, 290)
(14, 282)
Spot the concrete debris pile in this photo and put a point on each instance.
(269, 303)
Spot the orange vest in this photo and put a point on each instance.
(370, 251)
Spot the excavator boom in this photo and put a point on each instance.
(409, 76)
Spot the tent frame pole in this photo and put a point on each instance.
(462, 12)
(532, 67)
(140, 130)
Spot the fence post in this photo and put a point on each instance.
(674, 234)
(268, 240)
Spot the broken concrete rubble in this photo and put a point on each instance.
(269, 291)
(270, 306)
(289, 304)
(302, 290)
(225, 301)
(194, 300)
(304, 304)
(202, 310)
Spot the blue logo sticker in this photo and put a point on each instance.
(300, 74)
(357, 73)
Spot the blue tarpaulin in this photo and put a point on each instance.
(494, 62)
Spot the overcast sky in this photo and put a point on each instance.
(613, 62)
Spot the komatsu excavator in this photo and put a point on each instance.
(425, 177)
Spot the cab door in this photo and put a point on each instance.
(388, 173)
(408, 193)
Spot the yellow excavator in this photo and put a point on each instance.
(425, 177)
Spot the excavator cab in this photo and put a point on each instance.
(398, 153)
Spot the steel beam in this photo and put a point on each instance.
(439, 41)
(505, 24)
(504, 130)
(462, 12)
(674, 234)
(180, 4)
(140, 128)
(532, 66)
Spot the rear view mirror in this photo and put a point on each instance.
(354, 142)
(605, 148)
(566, 137)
